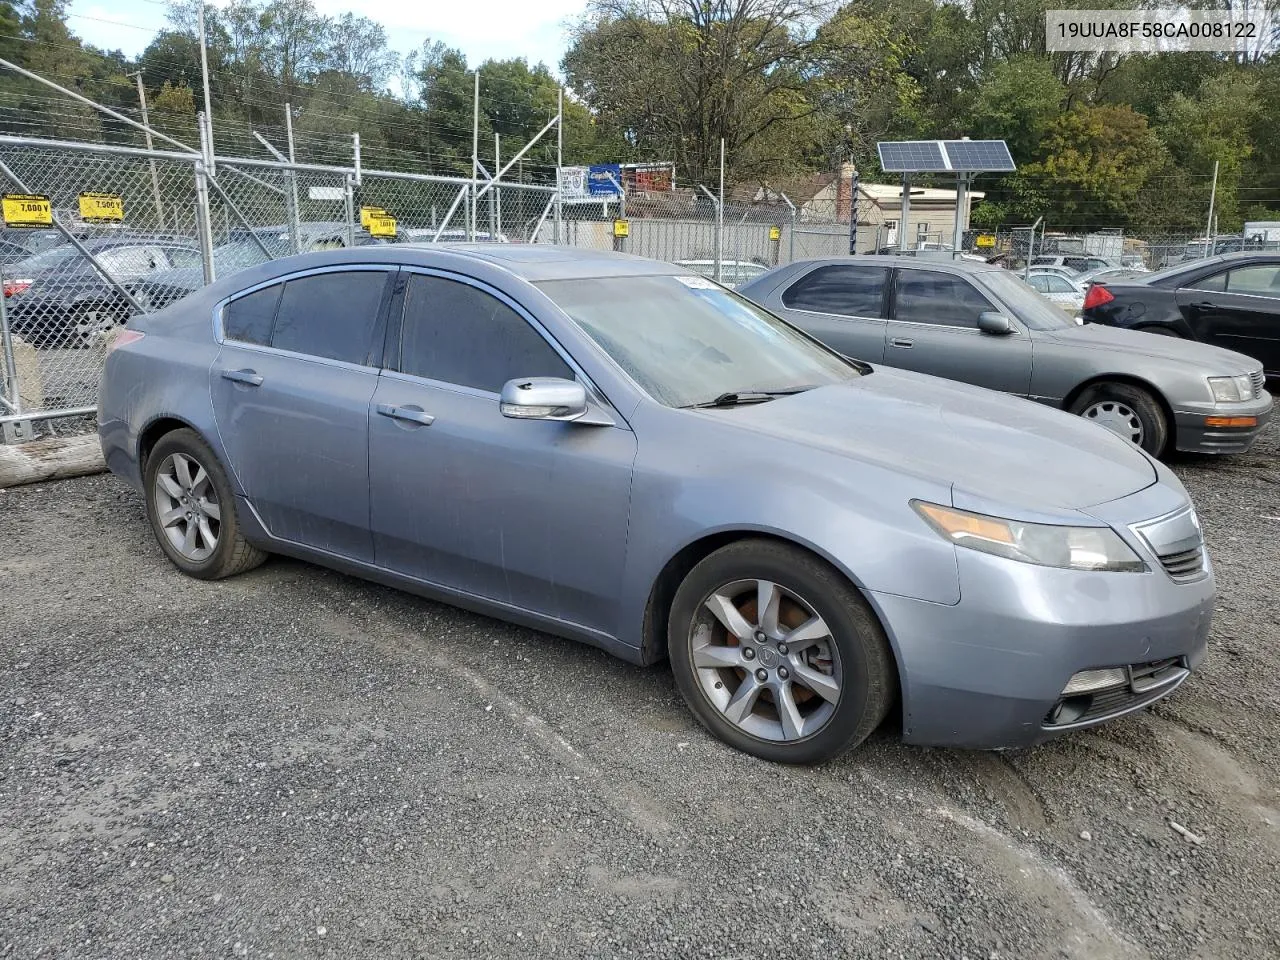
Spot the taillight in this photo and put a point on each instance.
(15, 286)
(124, 337)
(1097, 296)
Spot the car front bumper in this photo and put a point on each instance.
(1209, 427)
(989, 671)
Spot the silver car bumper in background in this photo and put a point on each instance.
(1223, 427)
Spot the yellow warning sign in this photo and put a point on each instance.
(775, 233)
(368, 213)
(622, 228)
(27, 210)
(101, 207)
(381, 225)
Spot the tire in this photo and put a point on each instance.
(845, 653)
(216, 548)
(1161, 331)
(1128, 411)
(87, 321)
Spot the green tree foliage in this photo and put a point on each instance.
(791, 86)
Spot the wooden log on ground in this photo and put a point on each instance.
(52, 458)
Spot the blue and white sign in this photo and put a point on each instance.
(604, 179)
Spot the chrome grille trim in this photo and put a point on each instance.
(1177, 543)
(1259, 380)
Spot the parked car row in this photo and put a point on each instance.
(763, 486)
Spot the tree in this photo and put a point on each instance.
(679, 76)
(1096, 162)
(1017, 101)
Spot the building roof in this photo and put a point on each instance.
(892, 192)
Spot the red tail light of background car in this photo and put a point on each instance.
(1097, 296)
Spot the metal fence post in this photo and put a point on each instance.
(795, 219)
(204, 226)
(349, 204)
(21, 430)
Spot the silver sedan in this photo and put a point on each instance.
(623, 452)
(983, 325)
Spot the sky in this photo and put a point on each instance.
(534, 29)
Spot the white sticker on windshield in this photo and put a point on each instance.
(697, 283)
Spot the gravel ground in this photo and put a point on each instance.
(297, 764)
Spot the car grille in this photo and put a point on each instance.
(1259, 382)
(1147, 683)
(1186, 565)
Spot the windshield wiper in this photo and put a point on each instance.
(739, 398)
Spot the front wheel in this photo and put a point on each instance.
(192, 509)
(1127, 411)
(777, 653)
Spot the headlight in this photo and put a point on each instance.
(1074, 548)
(1231, 389)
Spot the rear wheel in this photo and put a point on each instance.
(192, 509)
(777, 654)
(1127, 411)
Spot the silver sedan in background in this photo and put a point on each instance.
(623, 452)
(983, 325)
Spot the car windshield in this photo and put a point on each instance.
(687, 341)
(1027, 305)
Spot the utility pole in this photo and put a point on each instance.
(208, 100)
(146, 123)
(559, 165)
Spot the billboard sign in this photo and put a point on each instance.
(604, 179)
(573, 184)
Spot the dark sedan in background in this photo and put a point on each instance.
(983, 325)
(1231, 301)
(59, 298)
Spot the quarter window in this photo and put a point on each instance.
(924, 296)
(456, 333)
(845, 290)
(249, 318)
(330, 315)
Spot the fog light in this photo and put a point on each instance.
(1086, 681)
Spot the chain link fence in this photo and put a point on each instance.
(134, 230)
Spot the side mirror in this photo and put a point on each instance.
(543, 398)
(996, 324)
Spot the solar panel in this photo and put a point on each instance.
(910, 156)
(979, 155)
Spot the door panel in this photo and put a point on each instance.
(843, 305)
(935, 331)
(525, 512)
(298, 443)
(1247, 322)
(530, 513)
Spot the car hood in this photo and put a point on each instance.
(1214, 361)
(992, 446)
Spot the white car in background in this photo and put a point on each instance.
(1065, 291)
(732, 272)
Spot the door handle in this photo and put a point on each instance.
(248, 377)
(901, 342)
(411, 414)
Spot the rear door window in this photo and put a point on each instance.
(941, 299)
(1260, 280)
(248, 319)
(850, 291)
(331, 315)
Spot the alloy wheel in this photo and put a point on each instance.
(187, 507)
(1117, 417)
(766, 660)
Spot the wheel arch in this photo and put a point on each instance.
(661, 595)
(158, 427)
(1157, 394)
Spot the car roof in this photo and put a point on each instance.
(910, 263)
(529, 262)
